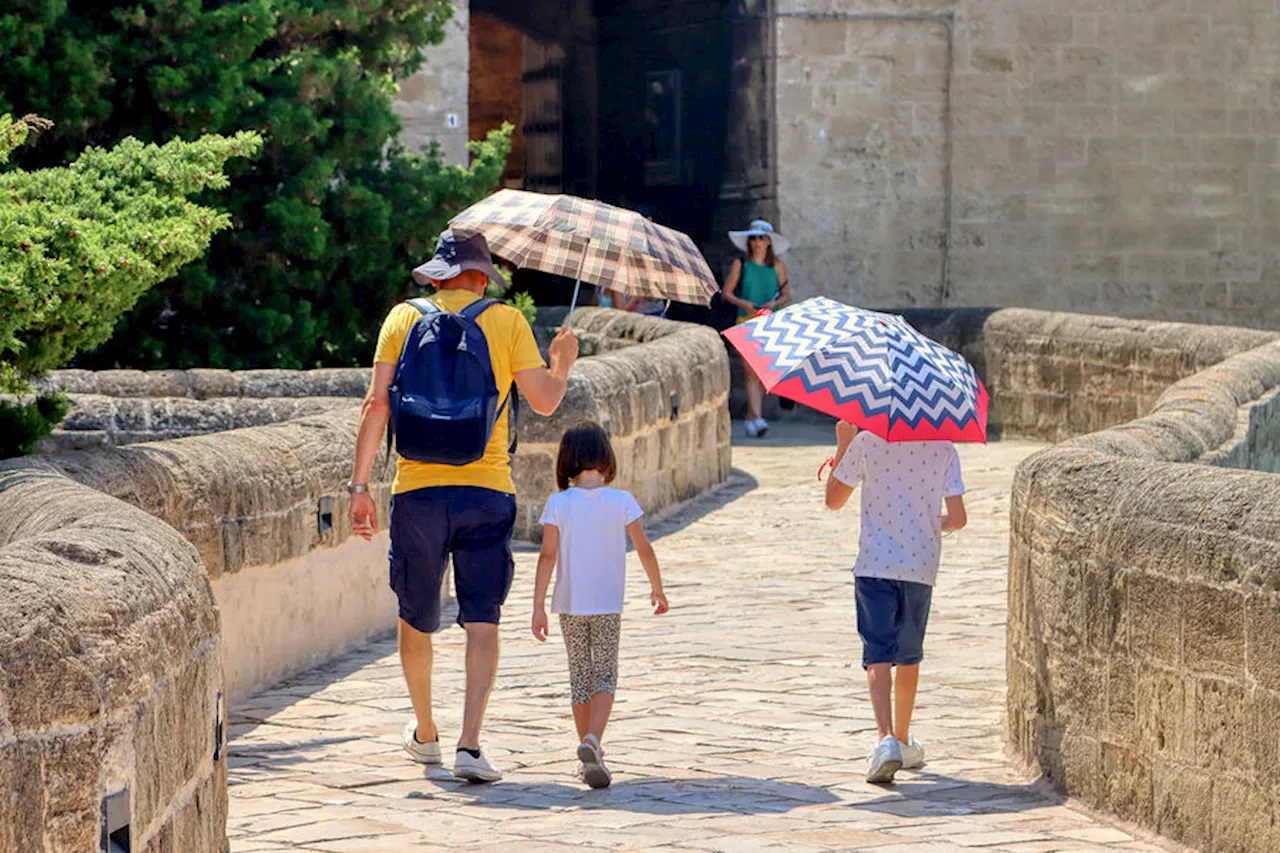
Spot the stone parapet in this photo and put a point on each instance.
(1054, 375)
(140, 583)
(1144, 584)
(662, 396)
(110, 674)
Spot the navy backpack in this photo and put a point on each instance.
(444, 397)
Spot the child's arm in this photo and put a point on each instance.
(955, 517)
(838, 492)
(649, 560)
(546, 563)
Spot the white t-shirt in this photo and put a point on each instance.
(592, 566)
(903, 484)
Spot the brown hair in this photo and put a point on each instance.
(586, 447)
(770, 259)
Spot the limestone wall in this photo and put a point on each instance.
(141, 584)
(1055, 375)
(110, 674)
(1080, 156)
(439, 90)
(1144, 585)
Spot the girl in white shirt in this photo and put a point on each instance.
(584, 539)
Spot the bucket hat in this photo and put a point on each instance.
(455, 254)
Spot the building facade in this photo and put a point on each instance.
(1103, 157)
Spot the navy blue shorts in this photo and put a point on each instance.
(472, 525)
(892, 616)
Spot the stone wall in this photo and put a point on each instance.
(266, 509)
(1144, 589)
(663, 399)
(1055, 375)
(1081, 156)
(143, 587)
(432, 103)
(110, 674)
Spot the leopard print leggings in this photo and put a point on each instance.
(592, 644)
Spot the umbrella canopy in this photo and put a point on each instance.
(870, 369)
(595, 242)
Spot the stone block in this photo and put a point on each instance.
(1165, 709)
(1262, 638)
(1242, 818)
(1154, 612)
(1214, 630)
(1128, 783)
(22, 798)
(1183, 803)
(1221, 740)
(1122, 689)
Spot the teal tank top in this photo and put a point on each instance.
(758, 284)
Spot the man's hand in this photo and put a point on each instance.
(540, 624)
(363, 515)
(659, 601)
(845, 432)
(563, 352)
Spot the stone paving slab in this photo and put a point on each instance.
(741, 723)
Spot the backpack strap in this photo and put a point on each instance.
(424, 305)
(473, 311)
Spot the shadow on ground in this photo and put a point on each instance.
(644, 795)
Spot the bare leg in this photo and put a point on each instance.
(582, 719)
(416, 657)
(482, 668)
(905, 682)
(879, 683)
(601, 707)
(755, 396)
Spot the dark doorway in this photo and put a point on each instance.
(621, 100)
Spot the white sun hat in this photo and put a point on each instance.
(760, 228)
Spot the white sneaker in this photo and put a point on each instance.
(750, 428)
(594, 771)
(423, 753)
(912, 753)
(886, 759)
(475, 768)
(762, 428)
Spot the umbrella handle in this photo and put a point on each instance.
(577, 285)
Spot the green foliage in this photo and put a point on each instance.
(23, 424)
(80, 244)
(326, 224)
(524, 302)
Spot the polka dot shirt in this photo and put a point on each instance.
(903, 484)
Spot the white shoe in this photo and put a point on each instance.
(762, 427)
(594, 772)
(912, 753)
(751, 429)
(423, 753)
(886, 759)
(475, 768)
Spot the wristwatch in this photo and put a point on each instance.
(356, 488)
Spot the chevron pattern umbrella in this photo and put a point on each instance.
(870, 369)
(595, 242)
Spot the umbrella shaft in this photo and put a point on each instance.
(577, 285)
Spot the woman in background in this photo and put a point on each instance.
(757, 282)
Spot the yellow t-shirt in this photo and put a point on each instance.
(512, 348)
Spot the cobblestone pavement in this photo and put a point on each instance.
(741, 724)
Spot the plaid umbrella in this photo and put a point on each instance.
(873, 370)
(591, 241)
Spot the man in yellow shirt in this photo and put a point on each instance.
(464, 511)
